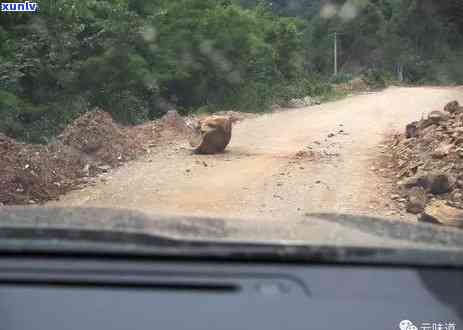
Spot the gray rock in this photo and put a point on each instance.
(440, 213)
(411, 130)
(104, 168)
(417, 200)
(457, 196)
(415, 181)
(436, 183)
(440, 183)
(215, 134)
(442, 150)
(436, 117)
(452, 107)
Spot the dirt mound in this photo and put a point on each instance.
(428, 160)
(170, 129)
(92, 144)
(34, 173)
(96, 135)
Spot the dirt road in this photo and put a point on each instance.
(279, 166)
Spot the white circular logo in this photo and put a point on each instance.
(407, 325)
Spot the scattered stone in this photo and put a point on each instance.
(442, 150)
(302, 154)
(417, 200)
(411, 130)
(395, 197)
(452, 107)
(440, 183)
(440, 213)
(457, 196)
(416, 181)
(436, 117)
(104, 168)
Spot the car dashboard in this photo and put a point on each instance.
(75, 292)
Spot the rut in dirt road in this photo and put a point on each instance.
(278, 166)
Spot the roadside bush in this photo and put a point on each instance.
(377, 79)
(136, 60)
(342, 78)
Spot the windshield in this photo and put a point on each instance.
(329, 122)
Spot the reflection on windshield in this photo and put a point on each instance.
(270, 112)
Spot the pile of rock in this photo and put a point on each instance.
(91, 145)
(428, 160)
(96, 135)
(35, 173)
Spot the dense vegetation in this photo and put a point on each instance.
(138, 58)
(422, 37)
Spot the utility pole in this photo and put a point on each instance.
(335, 54)
(400, 72)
